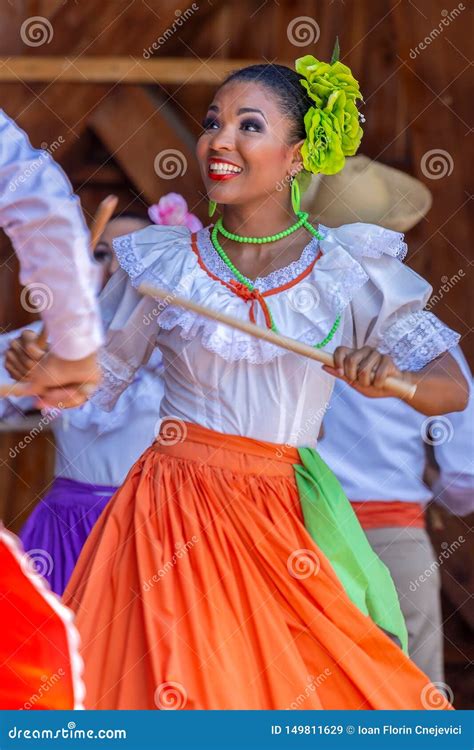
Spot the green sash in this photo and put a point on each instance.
(331, 521)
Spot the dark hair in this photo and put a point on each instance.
(293, 99)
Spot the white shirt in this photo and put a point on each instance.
(93, 446)
(44, 221)
(377, 448)
(228, 381)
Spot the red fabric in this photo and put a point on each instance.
(36, 648)
(378, 514)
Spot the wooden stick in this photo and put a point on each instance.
(101, 218)
(15, 389)
(398, 387)
(104, 213)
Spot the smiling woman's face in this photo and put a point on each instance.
(243, 152)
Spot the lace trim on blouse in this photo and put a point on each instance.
(281, 276)
(416, 339)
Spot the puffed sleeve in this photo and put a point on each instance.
(43, 219)
(386, 311)
(159, 255)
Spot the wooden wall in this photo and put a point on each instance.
(417, 100)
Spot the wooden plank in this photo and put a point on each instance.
(100, 69)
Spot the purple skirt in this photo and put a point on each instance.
(57, 529)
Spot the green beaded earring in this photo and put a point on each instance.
(295, 195)
(212, 208)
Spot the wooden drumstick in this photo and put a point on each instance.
(398, 387)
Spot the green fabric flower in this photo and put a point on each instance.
(321, 79)
(332, 126)
(347, 116)
(322, 149)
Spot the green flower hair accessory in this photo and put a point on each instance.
(332, 125)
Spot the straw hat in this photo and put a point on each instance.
(368, 191)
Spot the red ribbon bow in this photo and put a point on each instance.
(252, 296)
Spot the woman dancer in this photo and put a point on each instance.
(201, 586)
(94, 449)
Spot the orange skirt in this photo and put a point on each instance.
(200, 588)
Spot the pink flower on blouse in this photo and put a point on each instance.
(172, 210)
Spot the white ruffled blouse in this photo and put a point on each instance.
(228, 381)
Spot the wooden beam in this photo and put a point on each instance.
(146, 138)
(113, 69)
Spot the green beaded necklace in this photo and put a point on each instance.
(302, 221)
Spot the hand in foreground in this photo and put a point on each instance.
(365, 370)
(58, 382)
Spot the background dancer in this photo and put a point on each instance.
(377, 450)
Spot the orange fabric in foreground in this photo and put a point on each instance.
(378, 514)
(191, 592)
